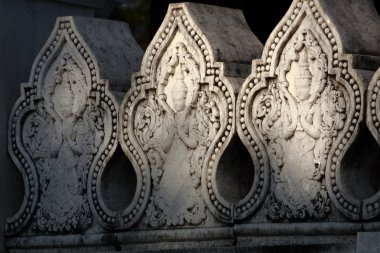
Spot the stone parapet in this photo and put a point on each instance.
(228, 152)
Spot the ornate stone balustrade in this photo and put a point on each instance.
(307, 113)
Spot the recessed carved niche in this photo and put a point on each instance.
(299, 112)
(179, 116)
(63, 128)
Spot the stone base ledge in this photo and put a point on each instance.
(131, 240)
(337, 237)
(320, 228)
(368, 242)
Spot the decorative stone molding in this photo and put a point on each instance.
(179, 115)
(371, 206)
(300, 109)
(63, 128)
(373, 106)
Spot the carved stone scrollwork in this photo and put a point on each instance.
(176, 121)
(373, 107)
(62, 132)
(62, 136)
(300, 110)
(176, 139)
(371, 206)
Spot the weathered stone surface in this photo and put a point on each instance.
(179, 115)
(177, 239)
(371, 206)
(20, 43)
(298, 237)
(368, 242)
(155, 240)
(335, 237)
(299, 114)
(373, 106)
(300, 109)
(63, 128)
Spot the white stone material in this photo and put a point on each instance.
(179, 115)
(301, 107)
(63, 128)
(301, 114)
(373, 106)
(371, 206)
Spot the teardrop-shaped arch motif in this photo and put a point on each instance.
(179, 59)
(65, 66)
(302, 38)
(371, 206)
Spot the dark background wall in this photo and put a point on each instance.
(145, 16)
(261, 15)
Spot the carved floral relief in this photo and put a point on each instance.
(62, 131)
(175, 123)
(62, 137)
(299, 115)
(300, 108)
(175, 134)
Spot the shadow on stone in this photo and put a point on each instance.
(303, 249)
(360, 166)
(235, 173)
(118, 182)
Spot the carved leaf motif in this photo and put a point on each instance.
(174, 126)
(57, 136)
(62, 136)
(298, 116)
(38, 128)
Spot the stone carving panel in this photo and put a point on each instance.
(62, 136)
(176, 121)
(300, 110)
(185, 122)
(62, 131)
